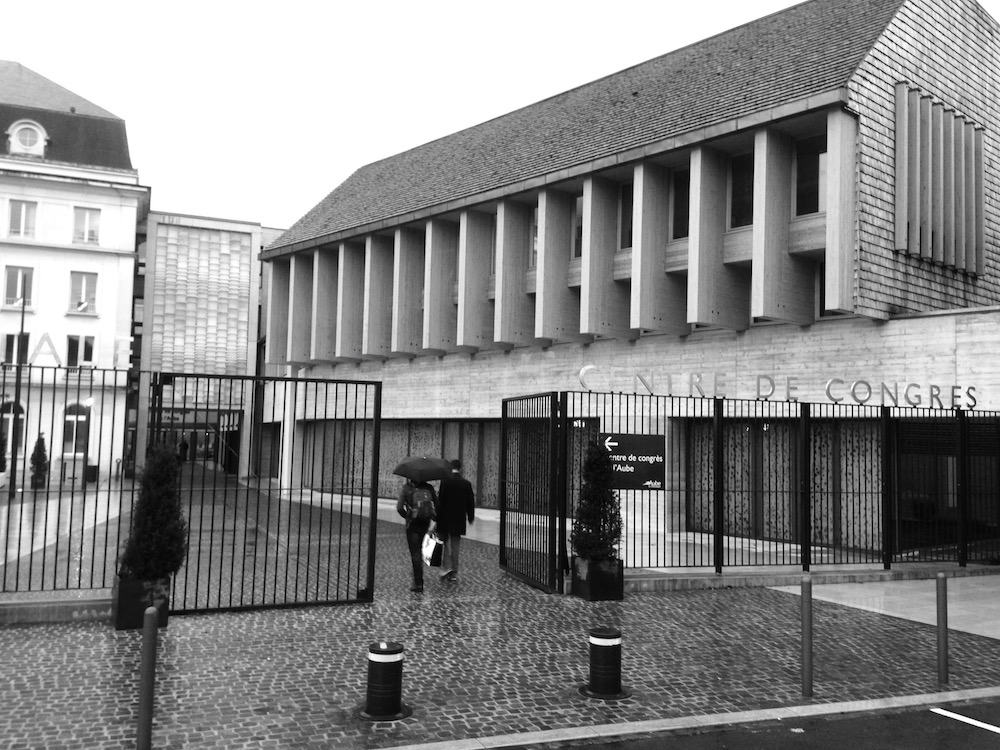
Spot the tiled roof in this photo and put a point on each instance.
(808, 49)
(24, 87)
(79, 131)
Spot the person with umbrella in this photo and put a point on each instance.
(417, 503)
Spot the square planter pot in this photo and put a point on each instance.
(598, 581)
(130, 597)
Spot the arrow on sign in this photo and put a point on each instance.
(609, 444)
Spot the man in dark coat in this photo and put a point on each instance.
(457, 505)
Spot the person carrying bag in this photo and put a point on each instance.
(417, 503)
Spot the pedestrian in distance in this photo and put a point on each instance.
(457, 504)
(417, 503)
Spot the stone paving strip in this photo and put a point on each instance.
(486, 658)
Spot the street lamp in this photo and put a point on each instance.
(17, 423)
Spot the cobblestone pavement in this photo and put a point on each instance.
(485, 656)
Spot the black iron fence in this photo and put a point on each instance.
(726, 483)
(277, 481)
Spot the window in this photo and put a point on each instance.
(681, 203)
(17, 286)
(22, 219)
(12, 354)
(493, 248)
(741, 191)
(26, 138)
(80, 351)
(83, 292)
(578, 227)
(625, 217)
(810, 176)
(533, 259)
(11, 420)
(86, 225)
(76, 429)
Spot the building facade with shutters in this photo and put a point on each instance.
(70, 202)
(804, 208)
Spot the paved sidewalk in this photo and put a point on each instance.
(489, 662)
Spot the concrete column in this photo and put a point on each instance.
(718, 295)
(440, 275)
(475, 309)
(557, 307)
(513, 317)
(782, 286)
(376, 333)
(407, 292)
(277, 312)
(604, 304)
(300, 309)
(658, 299)
(841, 238)
(326, 272)
(350, 301)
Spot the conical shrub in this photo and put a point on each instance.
(157, 542)
(597, 527)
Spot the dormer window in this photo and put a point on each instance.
(26, 138)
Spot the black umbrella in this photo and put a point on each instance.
(423, 469)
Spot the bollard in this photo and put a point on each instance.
(605, 665)
(383, 701)
(807, 638)
(147, 678)
(942, 628)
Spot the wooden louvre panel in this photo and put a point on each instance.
(939, 183)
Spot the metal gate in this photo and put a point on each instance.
(278, 481)
(532, 501)
(753, 482)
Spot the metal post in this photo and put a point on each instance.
(805, 495)
(605, 665)
(383, 700)
(718, 494)
(147, 679)
(942, 628)
(807, 640)
(17, 424)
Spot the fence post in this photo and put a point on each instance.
(147, 679)
(942, 628)
(807, 645)
(718, 495)
(805, 496)
(962, 490)
(561, 499)
(888, 490)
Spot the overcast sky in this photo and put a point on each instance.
(256, 110)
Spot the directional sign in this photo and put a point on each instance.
(637, 461)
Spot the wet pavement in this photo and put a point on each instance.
(488, 662)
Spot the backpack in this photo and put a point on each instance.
(422, 505)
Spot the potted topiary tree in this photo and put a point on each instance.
(156, 545)
(39, 464)
(597, 572)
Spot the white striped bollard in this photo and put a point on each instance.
(383, 700)
(605, 665)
